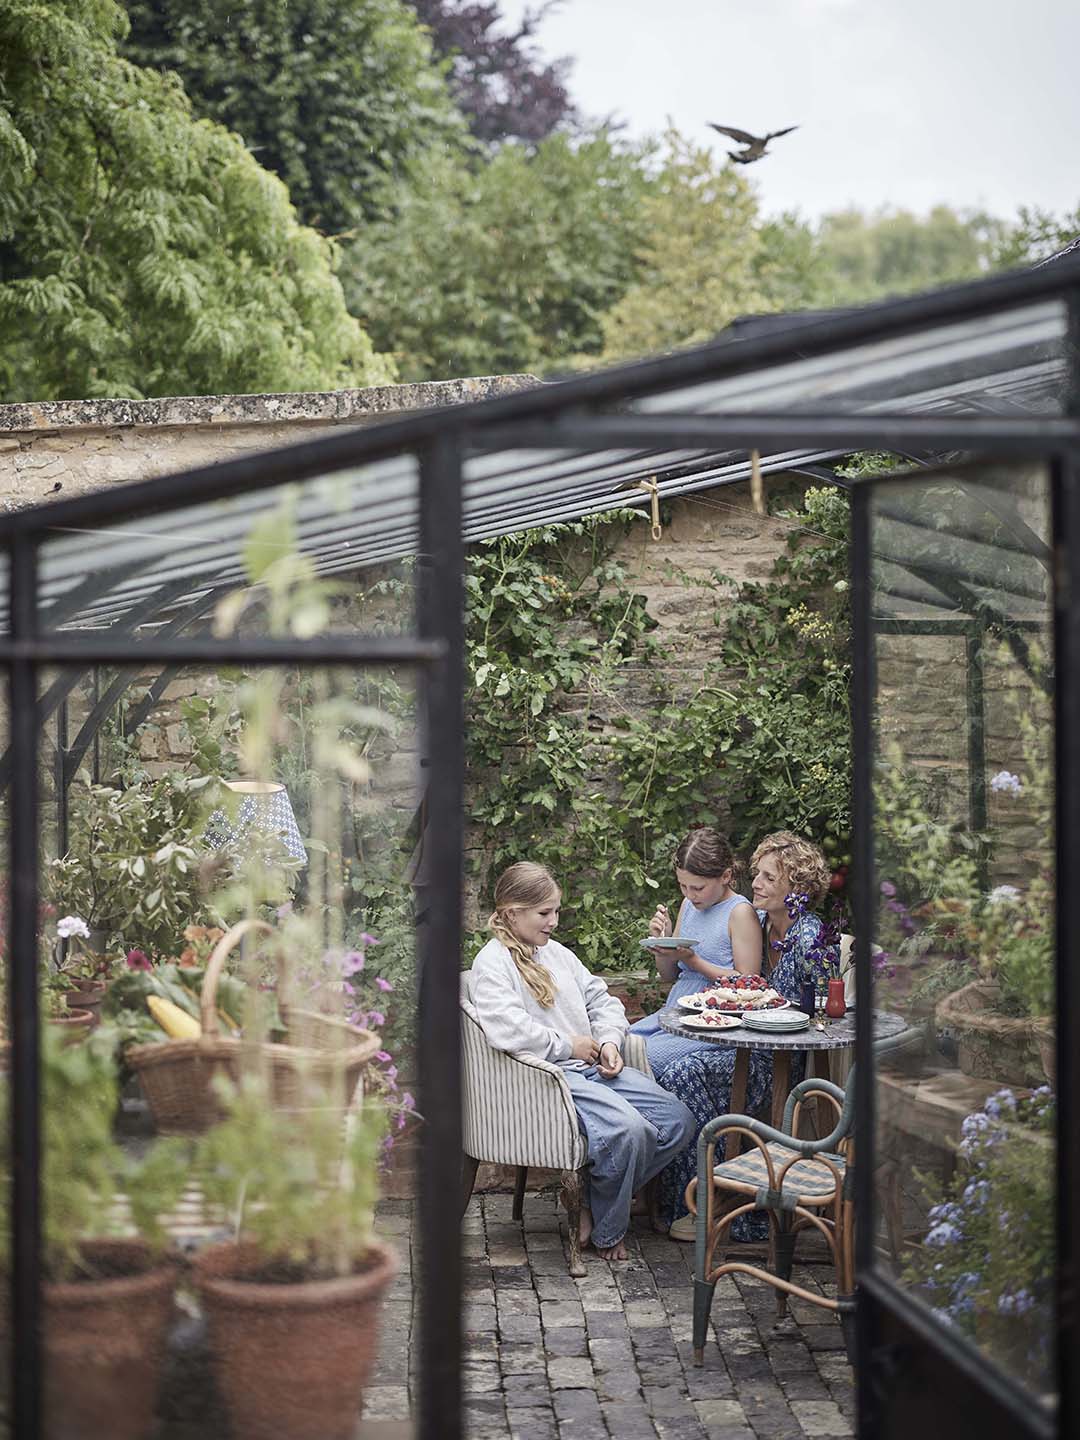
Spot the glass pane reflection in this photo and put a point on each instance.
(964, 850)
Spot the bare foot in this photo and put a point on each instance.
(612, 1252)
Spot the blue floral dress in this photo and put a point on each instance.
(702, 1079)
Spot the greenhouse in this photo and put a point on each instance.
(302, 612)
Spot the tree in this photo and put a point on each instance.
(705, 258)
(143, 252)
(508, 266)
(498, 79)
(340, 98)
(1034, 236)
(893, 252)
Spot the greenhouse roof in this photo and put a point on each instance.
(977, 357)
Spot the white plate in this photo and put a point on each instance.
(789, 1020)
(697, 1002)
(720, 1021)
(668, 942)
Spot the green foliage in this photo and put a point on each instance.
(84, 1171)
(143, 252)
(301, 1186)
(562, 771)
(988, 1264)
(132, 866)
(704, 258)
(505, 266)
(892, 252)
(340, 98)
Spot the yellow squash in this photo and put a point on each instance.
(175, 1022)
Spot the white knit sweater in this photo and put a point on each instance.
(513, 1019)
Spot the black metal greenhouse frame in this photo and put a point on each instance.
(581, 414)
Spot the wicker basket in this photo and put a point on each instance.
(319, 1054)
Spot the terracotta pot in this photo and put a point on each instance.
(76, 1025)
(292, 1360)
(105, 1343)
(88, 998)
(990, 1046)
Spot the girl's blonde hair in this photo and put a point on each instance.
(801, 861)
(524, 886)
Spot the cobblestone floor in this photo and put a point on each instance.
(552, 1358)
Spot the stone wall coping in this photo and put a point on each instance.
(318, 407)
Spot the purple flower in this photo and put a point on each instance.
(283, 910)
(796, 904)
(137, 960)
(383, 984)
(376, 1017)
(888, 889)
(366, 939)
(383, 1056)
(1006, 783)
(352, 963)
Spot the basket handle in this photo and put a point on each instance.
(214, 966)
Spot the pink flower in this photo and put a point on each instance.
(284, 910)
(383, 1056)
(383, 984)
(352, 963)
(376, 1017)
(137, 960)
(366, 939)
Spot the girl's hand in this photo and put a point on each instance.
(611, 1062)
(660, 924)
(584, 1047)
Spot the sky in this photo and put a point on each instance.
(900, 103)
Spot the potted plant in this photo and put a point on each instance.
(292, 1302)
(107, 1296)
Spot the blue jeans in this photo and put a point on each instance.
(633, 1129)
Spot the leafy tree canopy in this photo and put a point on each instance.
(501, 83)
(504, 267)
(143, 252)
(338, 97)
(706, 257)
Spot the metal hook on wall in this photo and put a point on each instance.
(652, 489)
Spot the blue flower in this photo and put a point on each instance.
(1017, 1303)
(1006, 783)
(796, 904)
(944, 1234)
(976, 1193)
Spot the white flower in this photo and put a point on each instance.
(1005, 782)
(1003, 895)
(71, 925)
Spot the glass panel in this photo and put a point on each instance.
(168, 572)
(1008, 363)
(964, 849)
(269, 821)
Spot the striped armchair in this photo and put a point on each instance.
(518, 1111)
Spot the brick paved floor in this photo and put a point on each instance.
(551, 1358)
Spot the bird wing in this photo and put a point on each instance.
(740, 135)
(775, 134)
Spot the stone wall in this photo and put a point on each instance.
(54, 449)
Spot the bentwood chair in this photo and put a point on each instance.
(518, 1111)
(800, 1184)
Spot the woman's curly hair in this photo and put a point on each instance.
(801, 861)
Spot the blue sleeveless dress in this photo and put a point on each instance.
(711, 929)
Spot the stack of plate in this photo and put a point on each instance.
(778, 1022)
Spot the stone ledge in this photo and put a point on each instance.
(376, 402)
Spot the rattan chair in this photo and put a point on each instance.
(518, 1111)
(800, 1184)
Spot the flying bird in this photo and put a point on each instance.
(755, 144)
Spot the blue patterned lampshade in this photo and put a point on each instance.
(264, 809)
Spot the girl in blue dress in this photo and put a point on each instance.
(722, 922)
(789, 877)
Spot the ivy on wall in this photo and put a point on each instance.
(584, 756)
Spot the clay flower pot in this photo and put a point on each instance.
(87, 998)
(292, 1359)
(990, 1046)
(76, 1025)
(104, 1344)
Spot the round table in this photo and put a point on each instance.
(821, 1036)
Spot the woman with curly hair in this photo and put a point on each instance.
(789, 877)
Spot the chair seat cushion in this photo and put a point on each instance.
(808, 1180)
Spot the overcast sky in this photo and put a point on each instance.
(900, 102)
